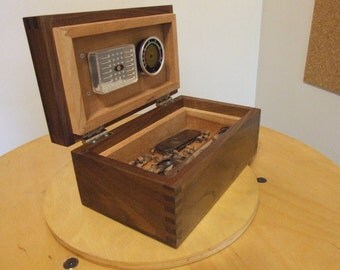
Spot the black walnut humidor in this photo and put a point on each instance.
(165, 206)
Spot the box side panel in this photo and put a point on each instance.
(206, 182)
(48, 78)
(215, 106)
(125, 197)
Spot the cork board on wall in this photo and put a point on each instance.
(323, 59)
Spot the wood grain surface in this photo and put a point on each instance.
(88, 111)
(40, 37)
(76, 227)
(297, 225)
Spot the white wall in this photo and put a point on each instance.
(288, 104)
(218, 49)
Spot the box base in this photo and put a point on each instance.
(167, 207)
(107, 242)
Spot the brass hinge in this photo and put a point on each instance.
(95, 135)
(164, 100)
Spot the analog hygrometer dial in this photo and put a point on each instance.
(150, 53)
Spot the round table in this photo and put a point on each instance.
(297, 225)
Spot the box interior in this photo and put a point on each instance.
(144, 141)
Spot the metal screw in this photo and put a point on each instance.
(261, 180)
(82, 55)
(70, 263)
(88, 93)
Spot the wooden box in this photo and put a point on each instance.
(166, 207)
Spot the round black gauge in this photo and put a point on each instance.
(150, 55)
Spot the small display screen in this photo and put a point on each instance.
(152, 55)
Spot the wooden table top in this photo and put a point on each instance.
(297, 225)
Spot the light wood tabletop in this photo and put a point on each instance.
(297, 225)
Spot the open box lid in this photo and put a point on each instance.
(61, 46)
